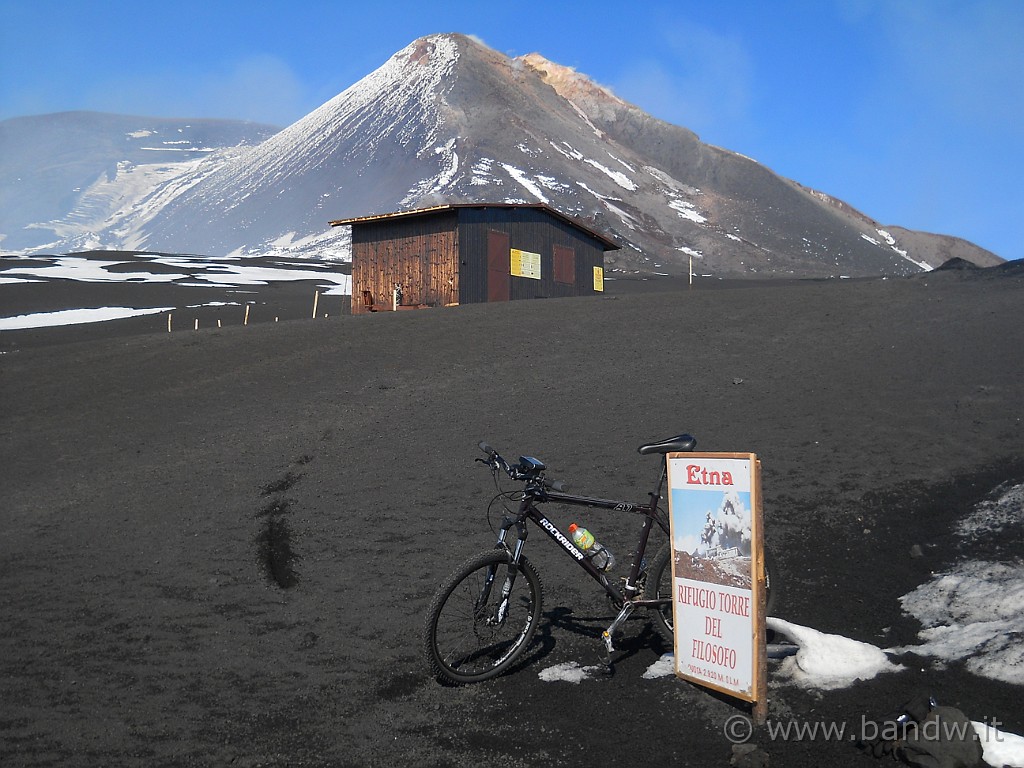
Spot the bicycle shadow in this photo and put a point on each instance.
(564, 621)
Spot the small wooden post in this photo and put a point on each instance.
(691, 269)
(316, 300)
(246, 320)
(169, 322)
(197, 324)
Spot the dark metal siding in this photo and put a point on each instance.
(528, 229)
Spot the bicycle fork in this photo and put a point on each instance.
(501, 611)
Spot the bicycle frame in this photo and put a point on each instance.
(504, 620)
(540, 491)
(528, 510)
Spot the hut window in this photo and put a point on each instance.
(565, 265)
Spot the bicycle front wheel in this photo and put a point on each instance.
(472, 632)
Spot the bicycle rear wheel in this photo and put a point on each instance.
(659, 587)
(467, 638)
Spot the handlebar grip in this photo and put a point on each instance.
(555, 485)
(486, 448)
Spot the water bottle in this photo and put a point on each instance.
(602, 559)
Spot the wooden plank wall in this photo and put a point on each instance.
(419, 252)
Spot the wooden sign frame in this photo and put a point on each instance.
(718, 579)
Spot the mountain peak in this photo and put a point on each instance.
(566, 81)
(449, 119)
(432, 50)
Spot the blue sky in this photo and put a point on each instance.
(910, 110)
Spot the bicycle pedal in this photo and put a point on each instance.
(608, 645)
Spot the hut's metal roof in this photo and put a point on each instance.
(609, 245)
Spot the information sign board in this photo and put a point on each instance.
(525, 264)
(598, 278)
(718, 571)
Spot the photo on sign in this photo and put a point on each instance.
(712, 536)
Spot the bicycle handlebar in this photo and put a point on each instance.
(528, 469)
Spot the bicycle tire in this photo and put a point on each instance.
(659, 586)
(463, 641)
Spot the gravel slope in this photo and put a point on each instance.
(219, 545)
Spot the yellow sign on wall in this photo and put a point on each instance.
(598, 278)
(525, 264)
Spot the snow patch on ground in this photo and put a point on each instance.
(1000, 748)
(609, 203)
(583, 116)
(91, 271)
(624, 217)
(663, 667)
(828, 661)
(569, 672)
(618, 177)
(661, 176)
(204, 270)
(567, 150)
(526, 182)
(482, 172)
(451, 164)
(975, 612)
(74, 317)
(550, 182)
(972, 612)
(572, 672)
(446, 175)
(622, 162)
(686, 210)
(596, 194)
(110, 200)
(996, 516)
(891, 242)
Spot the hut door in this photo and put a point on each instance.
(498, 266)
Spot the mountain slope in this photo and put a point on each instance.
(65, 175)
(362, 148)
(449, 120)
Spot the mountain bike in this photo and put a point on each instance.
(486, 612)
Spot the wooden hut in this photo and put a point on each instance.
(470, 253)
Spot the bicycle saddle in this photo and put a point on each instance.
(682, 442)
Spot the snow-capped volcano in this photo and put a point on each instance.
(448, 120)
